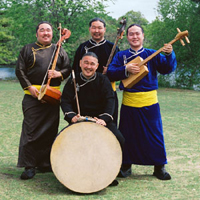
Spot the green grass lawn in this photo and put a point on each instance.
(180, 111)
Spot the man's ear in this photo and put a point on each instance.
(97, 66)
(80, 63)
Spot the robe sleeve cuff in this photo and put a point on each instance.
(69, 115)
(106, 117)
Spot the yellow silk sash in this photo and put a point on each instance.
(139, 99)
(113, 86)
(26, 91)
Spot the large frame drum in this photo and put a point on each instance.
(86, 157)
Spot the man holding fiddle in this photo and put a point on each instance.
(41, 120)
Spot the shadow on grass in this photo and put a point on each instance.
(41, 183)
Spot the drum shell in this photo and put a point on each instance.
(86, 161)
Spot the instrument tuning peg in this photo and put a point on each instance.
(187, 40)
(182, 42)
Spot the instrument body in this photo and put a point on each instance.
(135, 78)
(49, 95)
(86, 157)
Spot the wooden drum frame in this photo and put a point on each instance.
(86, 157)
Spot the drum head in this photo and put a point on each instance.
(86, 157)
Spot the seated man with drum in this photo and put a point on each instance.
(95, 96)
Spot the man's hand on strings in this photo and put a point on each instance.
(34, 91)
(133, 68)
(167, 48)
(100, 121)
(54, 74)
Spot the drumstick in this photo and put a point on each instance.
(77, 102)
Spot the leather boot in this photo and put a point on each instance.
(161, 173)
(28, 173)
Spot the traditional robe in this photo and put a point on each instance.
(95, 98)
(140, 122)
(41, 120)
(102, 50)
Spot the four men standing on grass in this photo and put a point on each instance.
(140, 119)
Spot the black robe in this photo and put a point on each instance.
(41, 120)
(103, 51)
(96, 99)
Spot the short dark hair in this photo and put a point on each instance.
(90, 54)
(97, 19)
(134, 25)
(43, 22)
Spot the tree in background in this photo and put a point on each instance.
(72, 14)
(6, 41)
(132, 17)
(181, 14)
(19, 19)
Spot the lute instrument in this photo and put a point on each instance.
(47, 93)
(135, 78)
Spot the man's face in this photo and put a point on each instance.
(135, 37)
(44, 34)
(89, 65)
(97, 31)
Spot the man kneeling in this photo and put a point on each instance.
(95, 95)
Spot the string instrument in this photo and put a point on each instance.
(134, 78)
(47, 93)
(120, 34)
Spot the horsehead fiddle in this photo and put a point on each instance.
(120, 33)
(47, 93)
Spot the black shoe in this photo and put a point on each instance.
(161, 173)
(44, 169)
(125, 171)
(114, 183)
(28, 174)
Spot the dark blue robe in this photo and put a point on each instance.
(142, 127)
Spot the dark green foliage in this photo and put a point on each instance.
(6, 40)
(19, 19)
(180, 14)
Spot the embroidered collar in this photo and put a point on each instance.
(88, 80)
(94, 44)
(85, 80)
(43, 46)
(134, 53)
